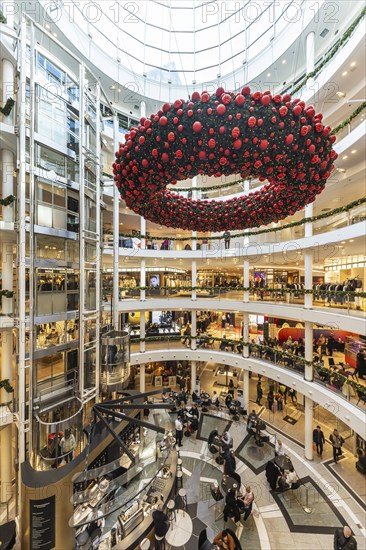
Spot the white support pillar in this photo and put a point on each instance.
(142, 378)
(194, 197)
(142, 331)
(245, 333)
(308, 260)
(7, 167)
(143, 232)
(194, 279)
(193, 375)
(194, 241)
(116, 203)
(6, 432)
(7, 75)
(308, 350)
(193, 329)
(246, 281)
(246, 390)
(7, 275)
(308, 429)
(143, 280)
(310, 56)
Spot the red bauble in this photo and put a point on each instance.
(221, 109)
(197, 126)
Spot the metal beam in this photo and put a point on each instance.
(132, 420)
(114, 434)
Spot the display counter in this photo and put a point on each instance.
(115, 501)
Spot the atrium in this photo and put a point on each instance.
(182, 275)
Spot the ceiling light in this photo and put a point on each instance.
(341, 170)
(113, 87)
(354, 151)
(283, 61)
(352, 240)
(54, 34)
(268, 75)
(47, 26)
(340, 94)
(345, 157)
(344, 73)
(353, 64)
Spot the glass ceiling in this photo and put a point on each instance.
(187, 41)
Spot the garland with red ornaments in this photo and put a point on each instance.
(256, 134)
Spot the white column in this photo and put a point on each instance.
(193, 375)
(310, 56)
(194, 197)
(143, 232)
(194, 279)
(6, 432)
(7, 275)
(143, 280)
(142, 330)
(308, 260)
(246, 390)
(143, 109)
(193, 329)
(308, 429)
(308, 350)
(194, 241)
(246, 280)
(7, 166)
(142, 378)
(245, 333)
(116, 203)
(7, 88)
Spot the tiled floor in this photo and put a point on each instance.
(268, 528)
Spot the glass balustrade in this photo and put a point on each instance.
(344, 384)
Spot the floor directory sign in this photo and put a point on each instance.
(42, 524)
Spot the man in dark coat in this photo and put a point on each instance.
(343, 539)
(319, 440)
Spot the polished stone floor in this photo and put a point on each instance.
(336, 493)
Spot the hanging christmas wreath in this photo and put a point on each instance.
(257, 135)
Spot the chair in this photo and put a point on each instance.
(160, 543)
(361, 396)
(145, 544)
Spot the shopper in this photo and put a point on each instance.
(225, 540)
(259, 393)
(270, 399)
(279, 448)
(227, 239)
(187, 333)
(245, 502)
(231, 508)
(337, 442)
(319, 440)
(343, 539)
(227, 441)
(68, 445)
(161, 522)
(231, 387)
(179, 431)
(279, 399)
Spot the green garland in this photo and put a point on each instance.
(5, 384)
(6, 110)
(269, 290)
(7, 201)
(348, 120)
(209, 188)
(332, 53)
(320, 369)
(6, 293)
(323, 216)
(2, 18)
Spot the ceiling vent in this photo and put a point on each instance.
(136, 107)
(324, 32)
